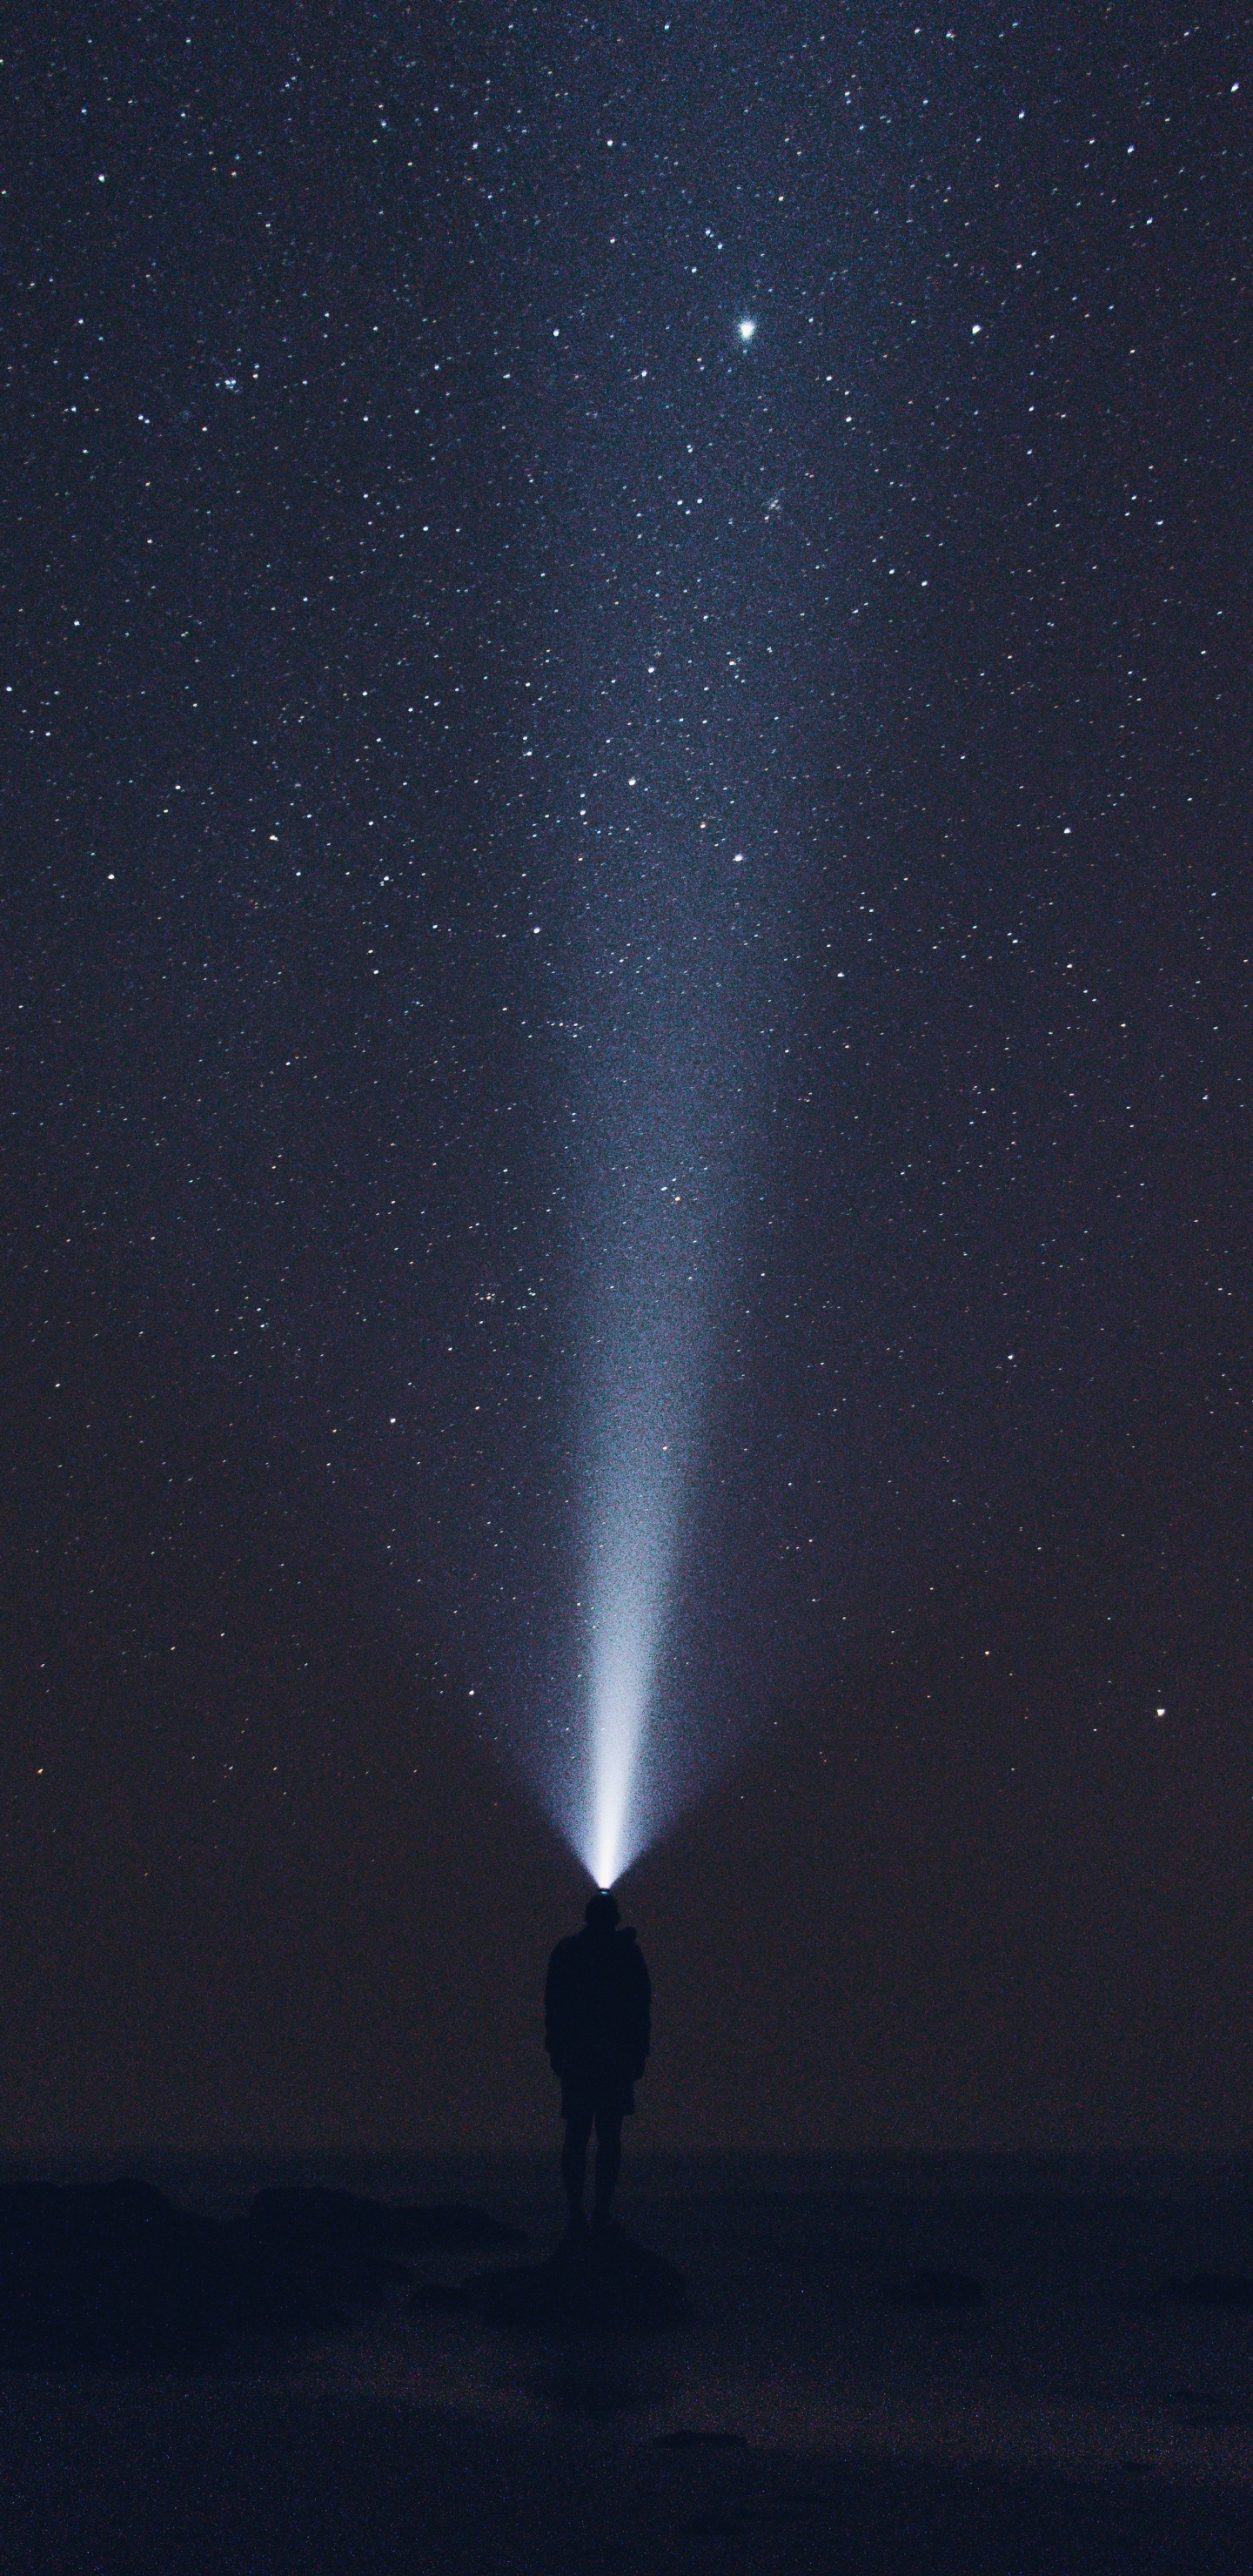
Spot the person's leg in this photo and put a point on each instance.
(608, 2157)
(574, 2159)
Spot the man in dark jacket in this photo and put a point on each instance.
(596, 2029)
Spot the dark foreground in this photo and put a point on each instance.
(260, 2481)
(885, 2369)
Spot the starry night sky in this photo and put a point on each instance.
(489, 745)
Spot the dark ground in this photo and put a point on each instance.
(259, 2478)
(937, 2367)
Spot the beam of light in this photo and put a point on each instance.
(588, 1660)
(634, 1541)
(627, 1616)
(649, 1329)
(596, 1627)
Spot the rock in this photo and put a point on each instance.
(602, 2281)
(113, 2273)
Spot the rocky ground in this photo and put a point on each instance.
(884, 2375)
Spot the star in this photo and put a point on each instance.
(747, 328)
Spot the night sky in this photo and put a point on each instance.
(626, 725)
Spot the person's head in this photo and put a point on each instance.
(601, 1914)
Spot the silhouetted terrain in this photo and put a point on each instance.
(110, 2274)
(891, 2369)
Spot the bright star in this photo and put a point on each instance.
(747, 328)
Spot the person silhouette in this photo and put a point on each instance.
(597, 2008)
